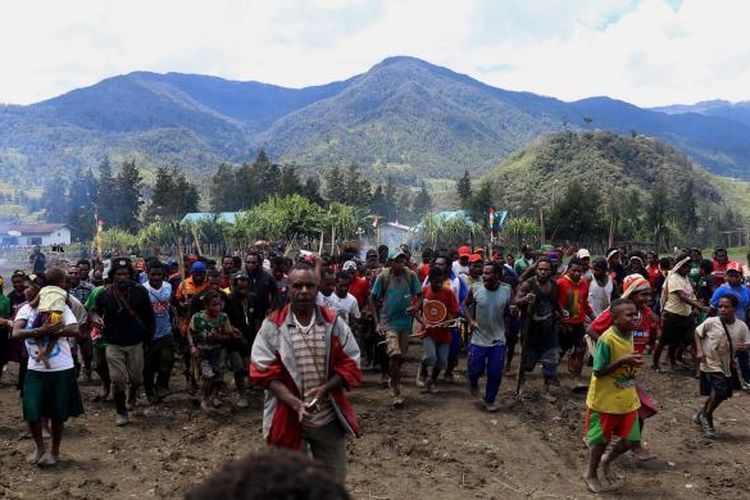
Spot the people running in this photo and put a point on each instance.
(490, 301)
(572, 298)
(537, 298)
(159, 351)
(612, 402)
(306, 357)
(716, 342)
(392, 300)
(124, 313)
(677, 303)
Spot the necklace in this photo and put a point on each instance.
(305, 330)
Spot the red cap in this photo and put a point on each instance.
(734, 266)
(475, 258)
(464, 251)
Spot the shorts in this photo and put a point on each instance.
(210, 364)
(435, 353)
(397, 343)
(677, 329)
(600, 427)
(549, 358)
(716, 384)
(571, 336)
(236, 362)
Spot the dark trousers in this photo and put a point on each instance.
(157, 366)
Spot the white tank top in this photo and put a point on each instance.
(599, 296)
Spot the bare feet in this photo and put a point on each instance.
(36, 456)
(609, 476)
(48, 460)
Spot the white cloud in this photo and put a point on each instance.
(645, 51)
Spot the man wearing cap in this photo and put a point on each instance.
(392, 300)
(734, 286)
(186, 291)
(584, 256)
(123, 312)
(461, 266)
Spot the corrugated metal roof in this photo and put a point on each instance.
(32, 228)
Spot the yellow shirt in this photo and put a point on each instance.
(614, 393)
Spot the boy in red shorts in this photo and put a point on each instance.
(612, 401)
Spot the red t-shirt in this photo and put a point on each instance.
(653, 274)
(360, 288)
(640, 337)
(720, 272)
(449, 300)
(422, 272)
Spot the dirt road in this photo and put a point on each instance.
(439, 446)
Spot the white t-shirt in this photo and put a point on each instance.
(346, 307)
(60, 358)
(459, 269)
(715, 345)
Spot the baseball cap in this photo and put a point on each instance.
(734, 267)
(198, 267)
(396, 253)
(349, 265)
(475, 257)
(583, 253)
(464, 251)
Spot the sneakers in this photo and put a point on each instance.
(491, 407)
(398, 402)
(121, 420)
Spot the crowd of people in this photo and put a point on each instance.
(304, 330)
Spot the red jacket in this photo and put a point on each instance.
(273, 359)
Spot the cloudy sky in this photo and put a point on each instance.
(648, 52)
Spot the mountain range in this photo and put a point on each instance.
(405, 117)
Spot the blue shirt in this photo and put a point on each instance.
(743, 297)
(160, 304)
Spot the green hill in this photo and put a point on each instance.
(615, 169)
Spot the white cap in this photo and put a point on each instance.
(583, 253)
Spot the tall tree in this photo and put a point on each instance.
(81, 205)
(173, 196)
(482, 201)
(404, 213)
(576, 216)
(54, 198)
(107, 199)
(464, 190)
(223, 195)
(422, 203)
(356, 187)
(311, 190)
(686, 207)
(289, 182)
(128, 186)
(657, 215)
(335, 190)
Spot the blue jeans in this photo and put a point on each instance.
(549, 359)
(435, 353)
(489, 360)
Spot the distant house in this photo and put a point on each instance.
(393, 234)
(26, 235)
(228, 217)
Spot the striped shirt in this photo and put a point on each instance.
(310, 355)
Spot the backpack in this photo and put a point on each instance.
(386, 274)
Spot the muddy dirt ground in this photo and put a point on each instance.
(438, 446)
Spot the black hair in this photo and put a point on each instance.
(55, 276)
(276, 473)
(497, 268)
(665, 263)
(302, 266)
(435, 272)
(343, 275)
(237, 261)
(254, 253)
(600, 263)
(154, 265)
(83, 261)
(706, 265)
(732, 299)
(279, 261)
(575, 261)
(213, 273)
(209, 296)
(225, 257)
(619, 302)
